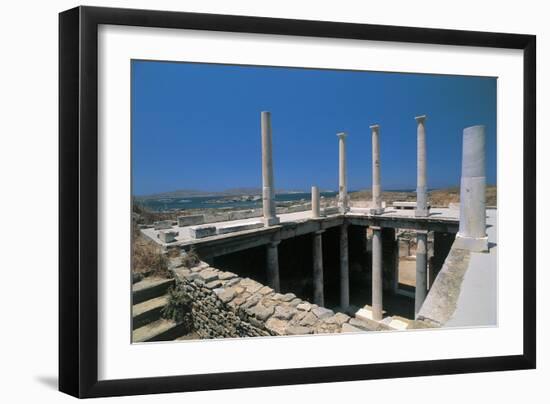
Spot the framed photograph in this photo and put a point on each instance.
(250, 201)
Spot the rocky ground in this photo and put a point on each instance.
(437, 198)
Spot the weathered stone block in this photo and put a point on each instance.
(398, 324)
(250, 285)
(324, 328)
(239, 227)
(202, 231)
(208, 275)
(284, 312)
(260, 312)
(350, 328)
(309, 319)
(276, 326)
(298, 330)
(225, 295)
(232, 282)
(244, 214)
(240, 299)
(167, 236)
(338, 318)
(322, 312)
(213, 284)
(305, 306)
(295, 302)
(364, 314)
(226, 276)
(252, 301)
(162, 225)
(288, 297)
(361, 324)
(265, 290)
(190, 220)
(333, 210)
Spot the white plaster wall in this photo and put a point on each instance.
(28, 163)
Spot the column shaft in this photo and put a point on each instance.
(472, 233)
(315, 207)
(377, 273)
(421, 177)
(268, 190)
(376, 187)
(421, 288)
(318, 283)
(273, 266)
(342, 173)
(344, 267)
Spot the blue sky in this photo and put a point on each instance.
(197, 126)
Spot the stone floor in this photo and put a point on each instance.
(477, 302)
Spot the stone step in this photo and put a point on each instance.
(148, 311)
(149, 288)
(160, 330)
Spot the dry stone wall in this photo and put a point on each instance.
(226, 305)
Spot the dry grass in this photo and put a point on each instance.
(147, 257)
(147, 216)
(437, 198)
(442, 197)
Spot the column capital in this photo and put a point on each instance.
(319, 232)
(274, 243)
(376, 227)
(374, 127)
(342, 135)
(420, 118)
(422, 232)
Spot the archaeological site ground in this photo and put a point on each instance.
(266, 261)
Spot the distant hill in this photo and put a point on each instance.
(186, 193)
(180, 193)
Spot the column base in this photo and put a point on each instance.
(421, 213)
(480, 244)
(376, 211)
(270, 221)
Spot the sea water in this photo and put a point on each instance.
(205, 202)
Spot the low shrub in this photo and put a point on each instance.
(190, 259)
(179, 307)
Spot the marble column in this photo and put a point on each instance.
(344, 267)
(472, 233)
(268, 191)
(273, 266)
(318, 283)
(342, 173)
(421, 180)
(377, 284)
(421, 287)
(315, 207)
(376, 187)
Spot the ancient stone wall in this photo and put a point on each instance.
(226, 305)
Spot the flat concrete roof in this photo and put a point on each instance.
(437, 215)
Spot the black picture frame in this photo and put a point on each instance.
(78, 196)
